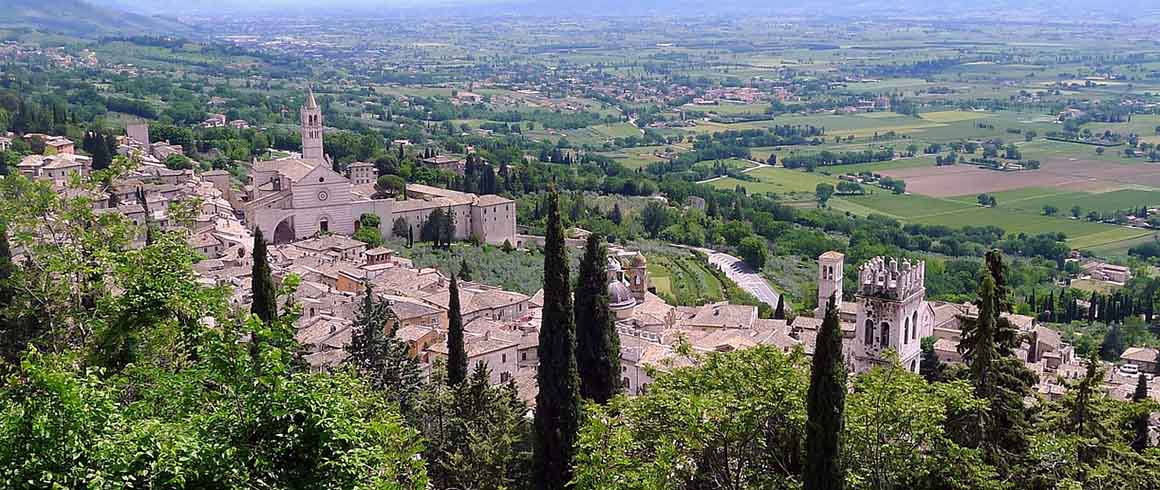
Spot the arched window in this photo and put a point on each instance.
(906, 331)
(914, 324)
(626, 384)
(869, 339)
(885, 334)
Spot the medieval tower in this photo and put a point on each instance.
(638, 276)
(891, 316)
(312, 131)
(830, 266)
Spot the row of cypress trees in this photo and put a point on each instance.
(579, 351)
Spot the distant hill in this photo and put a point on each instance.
(79, 18)
(1036, 9)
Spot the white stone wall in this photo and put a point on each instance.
(636, 376)
(907, 322)
(501, 361)
(494, 224)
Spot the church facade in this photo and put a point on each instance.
(295, 198)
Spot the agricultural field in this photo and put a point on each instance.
(957, 212)
(685, 279)
(637, 157)
(777, 181)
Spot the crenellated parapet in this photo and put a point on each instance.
(885, 277)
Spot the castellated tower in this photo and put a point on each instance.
(830, 266)
(891, 312)
(312, 131)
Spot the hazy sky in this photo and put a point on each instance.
(941, 8)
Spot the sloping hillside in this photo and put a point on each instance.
(76, 17)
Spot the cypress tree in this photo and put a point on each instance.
(558, 401)
(779, 312)
(930, 367)
(597, 343)
(987, 346)
(456, 351)
(1140, 422)
(464, 270)
(1093, 307)
(14, 334)
(825, 404)
(264, 303)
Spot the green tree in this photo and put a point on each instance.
(368, 230)
(1113, 344)
(597, 342)
(400, 228)
(889, 413)
(264, 303)
(825, 405)
(383, 359)
(753, 251)
(1140, 423)
(464, 270)
(558, 400)
(987, 346)
(389, 186)
(824, 192)
(779, 312)
(456, 349)
(728, 420)
(477, 435)
(931, 367)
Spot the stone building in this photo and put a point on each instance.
(294, 198)
(891, 312)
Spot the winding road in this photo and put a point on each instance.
(742, 274)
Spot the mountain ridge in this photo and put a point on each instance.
(80, 18)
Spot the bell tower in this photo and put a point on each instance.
(312, 130)
(830, 266)
(638, 276)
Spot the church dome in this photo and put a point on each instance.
(619, 296)
(638, 261)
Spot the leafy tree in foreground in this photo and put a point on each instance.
(597, 342)
(825, 404)
(558, 401)
(729, 420)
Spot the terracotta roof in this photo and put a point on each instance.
(1139, 354)
(723, 316)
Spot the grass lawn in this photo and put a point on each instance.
(1091, 285)
(638, 157)
(1033, 199)
(730, 163)
(777, 181)
(954, 116)
(958, 212)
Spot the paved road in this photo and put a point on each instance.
(749, 280)
(740, 272)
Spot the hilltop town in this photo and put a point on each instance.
(595, 246)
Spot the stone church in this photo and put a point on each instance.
(295, 198)
(890, 311)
